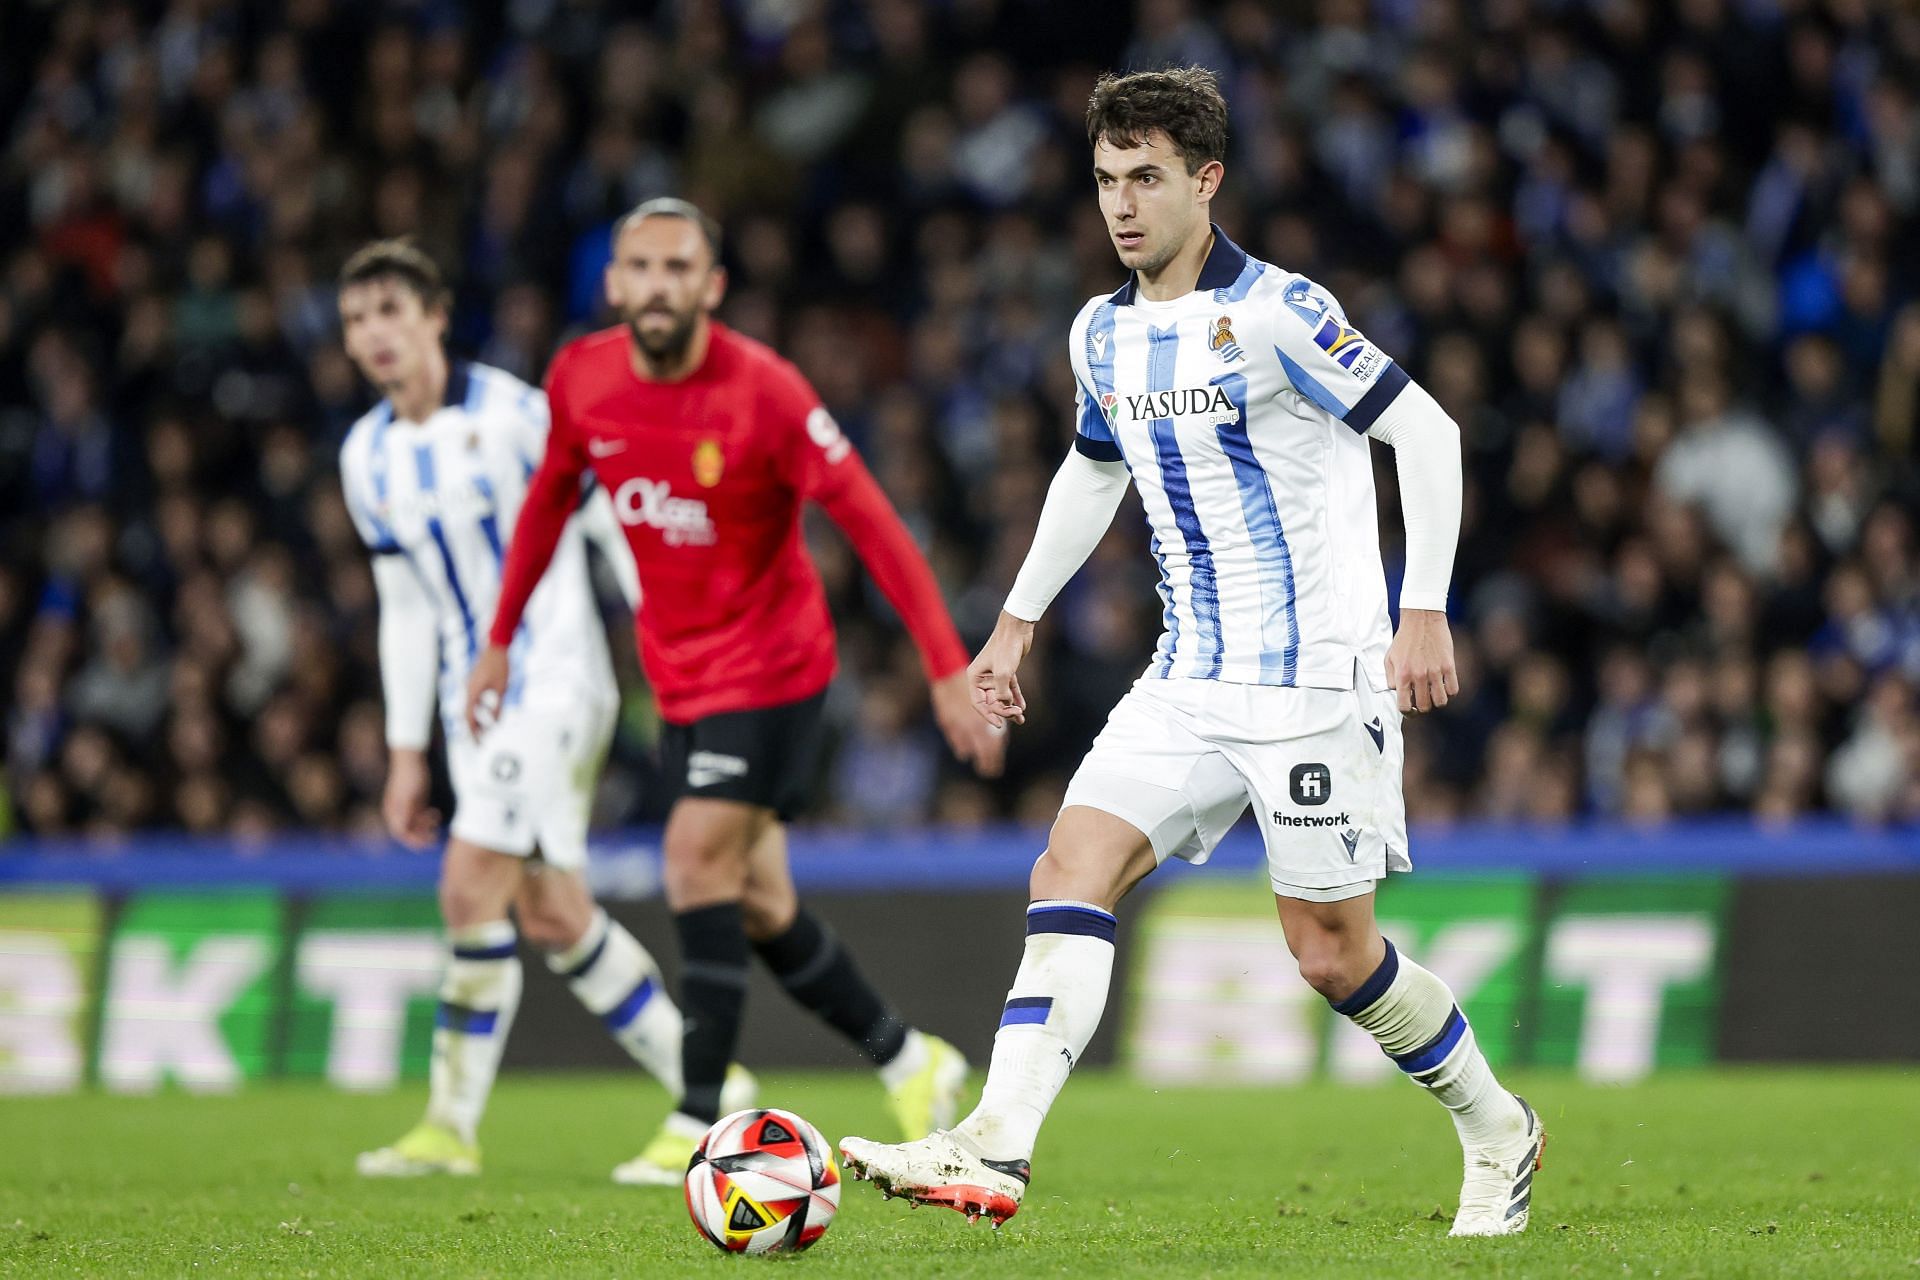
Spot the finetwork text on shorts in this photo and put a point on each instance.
(1314, 820)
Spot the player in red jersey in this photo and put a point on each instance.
(709, 442)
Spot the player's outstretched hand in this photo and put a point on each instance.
(973, 740)
(486, 688)
(1420, 661)
(404, 806)
(994, 678)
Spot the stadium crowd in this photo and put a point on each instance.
(1658, 260)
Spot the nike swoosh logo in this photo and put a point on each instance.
(605, 448)
(1379, 733)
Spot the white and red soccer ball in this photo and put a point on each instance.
(763, 1181)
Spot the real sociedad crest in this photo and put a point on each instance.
(1224, 344)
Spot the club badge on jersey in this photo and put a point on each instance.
(1224, 344)
(709, 463)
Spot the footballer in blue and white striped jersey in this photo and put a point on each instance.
(443, 495)
(1241, 410)
(435, 502)
(434, 478)
(1239, 401)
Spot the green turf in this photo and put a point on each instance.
(1723, 1174)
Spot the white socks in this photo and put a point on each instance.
(1413, 1016)
(1060, 992)
(1051, 1012)
(478, 997)
(614, 976)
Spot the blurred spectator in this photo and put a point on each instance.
(1658, 265)
(1731, 463)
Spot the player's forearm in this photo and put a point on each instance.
(883, 544)
(551, 498)
(406, 760)
(1426, 449)
(409, 653)
(1079, 507)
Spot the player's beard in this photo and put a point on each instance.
(664, 348)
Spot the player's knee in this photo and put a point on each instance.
(1074, 874)
(1334, 963)
(544, 925)
(476, 885)
(1050, 872)
(1326, 970)
(703, 870)
(554, 909)
(463, 903)
(540, 932)
(1096, 870)
(766, 912)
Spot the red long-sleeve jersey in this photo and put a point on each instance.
(707, 476)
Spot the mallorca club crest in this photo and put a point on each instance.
(1224, 344)
(708, 463)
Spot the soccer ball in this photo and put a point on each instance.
(763, 1181)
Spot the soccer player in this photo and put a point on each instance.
(708, 442)
(1240, 402)
(432, 476)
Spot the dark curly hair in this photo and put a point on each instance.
(1182, 102)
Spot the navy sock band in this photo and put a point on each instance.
(1374, 987)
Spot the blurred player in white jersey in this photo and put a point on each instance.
(1239, 401)
(434, 477)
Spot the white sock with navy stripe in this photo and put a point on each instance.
(615, 977)
(1416, 1021)
(478, 997)
(1051, 1012)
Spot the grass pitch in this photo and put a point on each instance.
(1790, 1174)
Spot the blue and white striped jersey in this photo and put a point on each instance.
(444, 494)
(1242, 409)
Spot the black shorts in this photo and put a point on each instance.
(768, 756)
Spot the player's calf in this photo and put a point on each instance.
(713, 987)
(479, 995)
(1052, 1011)
(619, 982)
(1412, 1015)
(923, 1074)
(1415, 1020)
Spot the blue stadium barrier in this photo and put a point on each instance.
(626, 863)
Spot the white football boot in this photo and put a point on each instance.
(939, 1169)
(1498, 1188)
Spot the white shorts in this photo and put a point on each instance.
(529, 782)
(1181, 760)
